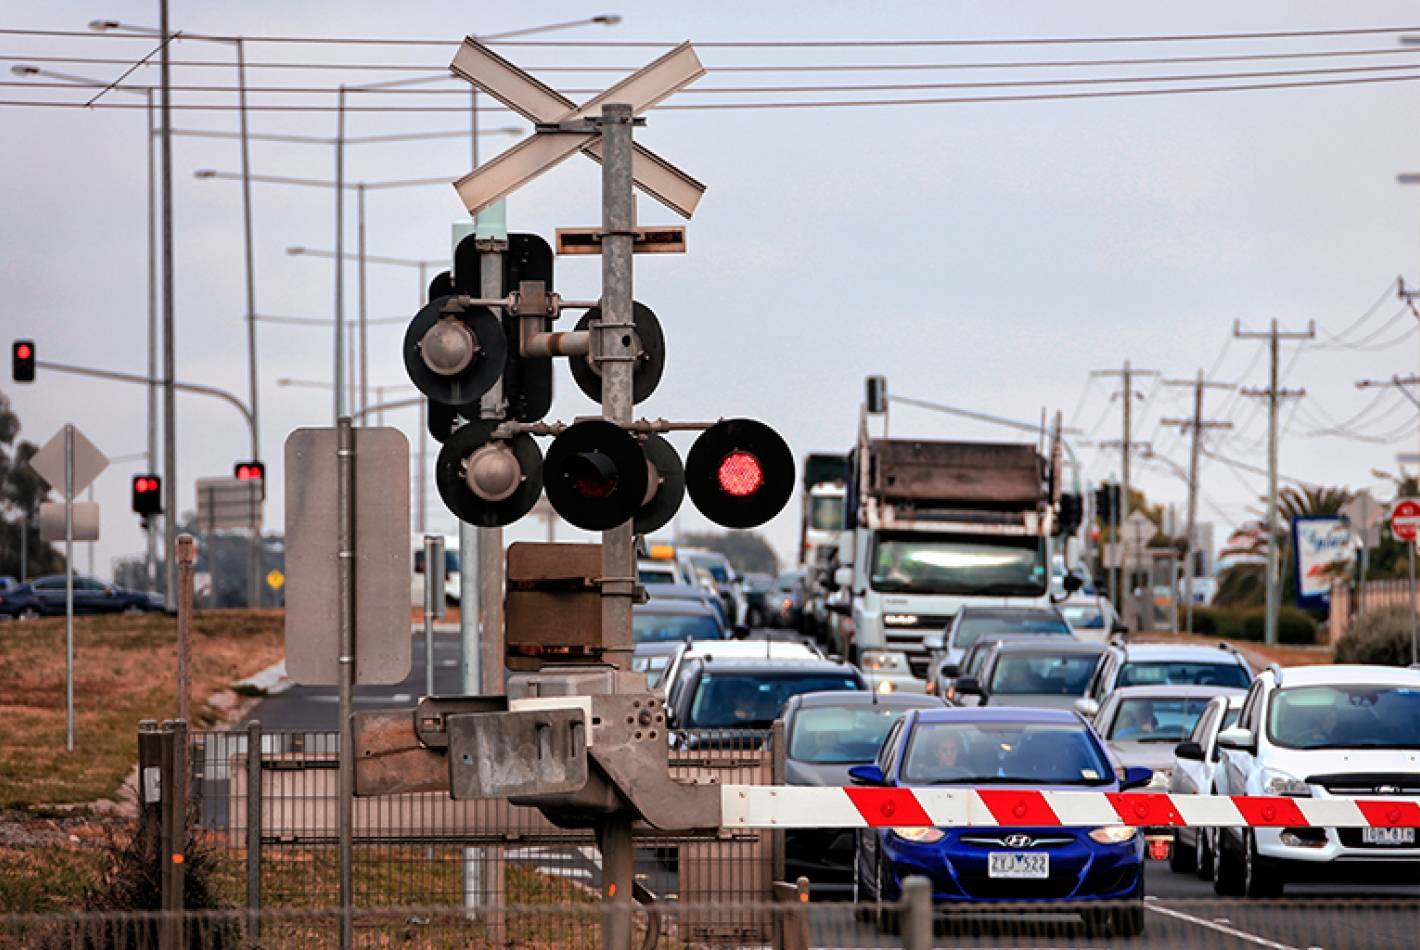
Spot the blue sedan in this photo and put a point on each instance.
(1005, 748)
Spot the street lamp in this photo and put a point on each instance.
(26, 71)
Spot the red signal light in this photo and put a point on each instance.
(740, 474)
(23, 351)
(249, 471)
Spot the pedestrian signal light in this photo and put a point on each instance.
(147, 495)
(22, 355)
(739, 473)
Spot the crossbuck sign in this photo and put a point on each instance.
(561, 132)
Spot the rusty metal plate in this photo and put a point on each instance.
(389, 758)
(553, 606)
(525, 753)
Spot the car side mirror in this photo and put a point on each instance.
(1118, 627)
(951, 670)
(934, 643)
(1135, 776)
(840, 608)
(1189, 750)
(740, 631)
(968, 686)
(843, 577)
(1086, 707)
(1073, 583)
(1238, 739)
(866, 775)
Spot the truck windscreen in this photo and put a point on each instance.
(959, 564)
(826, 513)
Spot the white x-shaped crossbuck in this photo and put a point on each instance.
(543, 105)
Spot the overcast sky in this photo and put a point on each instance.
(984, 255)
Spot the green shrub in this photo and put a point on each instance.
(1232, 623)
(1381, 636)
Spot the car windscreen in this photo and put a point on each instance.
(648, 626)
(1004, 753)
(1018, 673)
(1345, 717)
(957, 564)
(1183, 673)
(826, 514)
(753, 700)
(1156, 719)
(838, 735)
(715, 566)
(1083, 616)
(654, 575)
(973, 627)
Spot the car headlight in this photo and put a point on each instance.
(881, 660)
(1280, 783)
(900, 620)
(1160, 778)
(1113, 834)
(920, 835)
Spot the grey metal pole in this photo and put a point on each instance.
(151, 529)
(254, 543)
(917, 913)
(254, 833)
(339, 375)
(490, 540)
(186, 554)
(345, 612)
(422, 481)
(169, 351)
(89, 546)
(433, 576)
(69, 585)
(1127, 587)
(1414, 634)
(364, 350)
(1192, 527)
(1273, 395)
(615, 359)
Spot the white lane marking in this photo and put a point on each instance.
(1220, 928)
(399, 697)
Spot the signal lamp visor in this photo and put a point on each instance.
(592, 474)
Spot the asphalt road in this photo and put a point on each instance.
(1181, 910)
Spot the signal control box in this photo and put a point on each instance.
(553, 607)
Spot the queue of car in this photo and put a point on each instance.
(1018, 698)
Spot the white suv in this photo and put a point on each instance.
(1321, 732)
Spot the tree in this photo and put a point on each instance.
(21, 491)
(1245, 584)
(747, 550)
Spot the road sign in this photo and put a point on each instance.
(275, 579)
(88, 462)
(86, 521)
(544, 106)
(227, 503)
(1405, 519)
(382, 556)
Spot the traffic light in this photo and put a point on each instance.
(875, 398)
(739, 473)
(1072, 512)
(485, 481)
(595, 475)
(22, 359)
(1107, 504)
(249, 471)
(147, 495)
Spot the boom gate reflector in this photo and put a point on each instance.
(666, 485)
(650, 361)
(485, 481)
(595, 475)
(739, 473)
(454, 354)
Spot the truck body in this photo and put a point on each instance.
(934, 525)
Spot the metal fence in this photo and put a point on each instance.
(265, 805)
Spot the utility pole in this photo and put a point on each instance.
(1197, 425)
(165, 151)
(1274, 394)
(1126, 444)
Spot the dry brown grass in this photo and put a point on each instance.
(1258, 654)
(125, 670)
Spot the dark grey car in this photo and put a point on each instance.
(1041, 671)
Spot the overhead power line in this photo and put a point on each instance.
(755, 106)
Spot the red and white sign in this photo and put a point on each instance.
(1405, 519)
(768, 806)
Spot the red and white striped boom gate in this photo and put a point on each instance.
(771, 806)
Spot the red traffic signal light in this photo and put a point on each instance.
(249, 471)
(595, 475)
(147, 495)
(739, 473)
(22, 361)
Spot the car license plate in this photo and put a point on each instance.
(1018, 864)
(1390, 836)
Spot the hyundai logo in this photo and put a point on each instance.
(1018, 841)
(1387, 790)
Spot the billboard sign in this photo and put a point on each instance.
(1322, 552)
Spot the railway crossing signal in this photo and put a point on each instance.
(22, 361)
